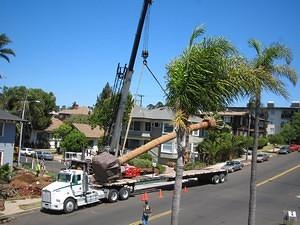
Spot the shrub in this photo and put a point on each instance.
(5, 172)
(194, 166)
(161, 168)
(146, 156)
(141, 163)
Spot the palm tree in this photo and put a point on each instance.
(4, 52)
(208, 76)
(269, 78)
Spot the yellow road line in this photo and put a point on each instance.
(277, 176)
(157, 216)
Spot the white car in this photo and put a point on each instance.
(27, 152)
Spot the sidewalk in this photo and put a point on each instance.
(13, 207)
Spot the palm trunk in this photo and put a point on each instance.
(252, 199)
(178, 180)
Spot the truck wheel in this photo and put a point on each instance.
(112, 195)
(123, 193)
(222, 178)
(69, 205)
(215, 179)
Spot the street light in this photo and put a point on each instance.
(22, 124)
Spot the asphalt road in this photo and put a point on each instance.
(51, 166)
(225, 203)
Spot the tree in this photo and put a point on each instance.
(71, 139)
(295, 123)
(74, 141)
(104, 112)
(207, 76)
(269, 76)
(5, 52)
(275, 139)
(39, 104)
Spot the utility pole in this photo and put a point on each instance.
(141, 99)
(127, 80)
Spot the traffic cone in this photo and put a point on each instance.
(160, 193)
(185, 189)
(146, 196)
(142, 197)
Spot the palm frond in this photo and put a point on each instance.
(286, 72)
(199, 30)
(256, 45)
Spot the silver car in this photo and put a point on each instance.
(232, 166)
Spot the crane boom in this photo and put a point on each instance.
(127, 81)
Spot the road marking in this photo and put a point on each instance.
(155, 217)
(277, 176)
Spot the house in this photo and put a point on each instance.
(242, 123)
(7, 137)
(148, 124)
(275, 117)
(59, 118)
(92, 134)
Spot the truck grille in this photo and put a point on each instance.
(46, 196)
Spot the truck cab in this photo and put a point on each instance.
(70, 190)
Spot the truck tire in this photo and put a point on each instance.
(69, 205)
(113, 195)
(215, 179)
(123, 193)
(222, 178)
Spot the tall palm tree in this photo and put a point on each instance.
(5, 52)
(208, 76)
(269, 72)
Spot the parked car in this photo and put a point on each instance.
(294, 147)
(232, 166)
(27, 152)
(44, 155)
(284, 150)
(261, 157)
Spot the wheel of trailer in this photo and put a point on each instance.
(69, 205)
(124, 193)
(215, 179)
(112, 195)
(222, 178)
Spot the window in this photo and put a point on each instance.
(136, 125)
(227, 119)
(203, 133)
(167, 147)
(1, 129)
(147, 126)
(167, 128)
(76, 179)
(156, 124)
(1, 158)
(195, 133)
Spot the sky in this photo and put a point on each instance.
(72, 48)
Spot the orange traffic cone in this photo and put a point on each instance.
(146, 196)
(142, 197)
(160, 193)
(185, 189)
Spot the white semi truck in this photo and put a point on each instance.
(74, 188)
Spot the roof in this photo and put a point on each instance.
(162, 113)
(55, 123)
(232, 113)
(87, 130)
(77, 111)
(8, 116)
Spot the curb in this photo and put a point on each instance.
(10, 217)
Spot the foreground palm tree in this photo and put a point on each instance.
(5, 52)
(207, 76)
(269, 74)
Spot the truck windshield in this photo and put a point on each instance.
(64, 177)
